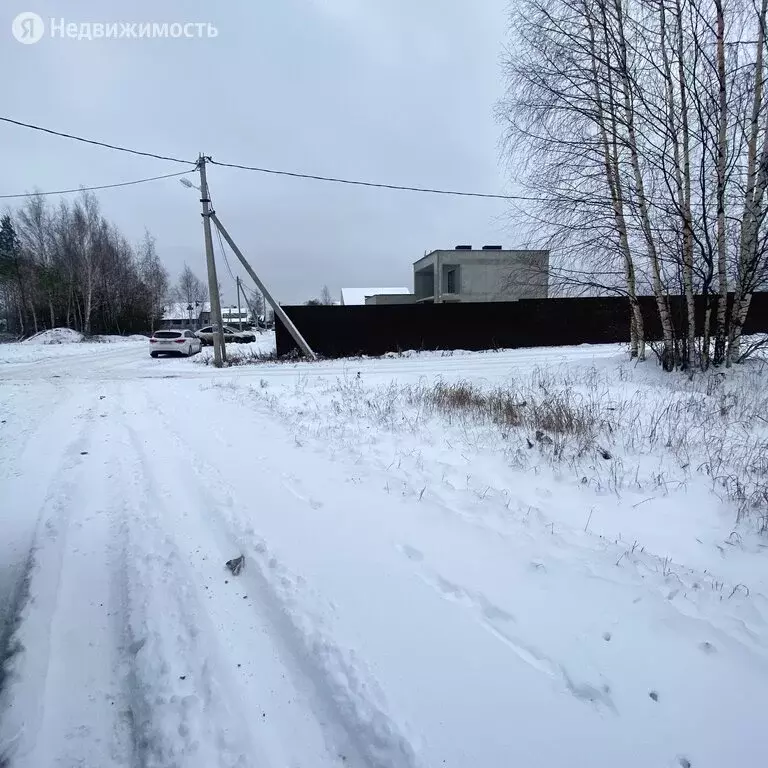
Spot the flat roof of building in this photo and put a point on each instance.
(463, 253)
(356, 296)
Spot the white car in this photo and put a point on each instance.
(174, 342)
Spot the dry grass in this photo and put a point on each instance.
(614, 430)
(236, 357)
(549, 414)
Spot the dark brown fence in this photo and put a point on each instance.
(337, 331)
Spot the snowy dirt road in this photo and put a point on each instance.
(374, 624)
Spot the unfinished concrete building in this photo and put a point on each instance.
(486, 274)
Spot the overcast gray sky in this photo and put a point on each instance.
(397, 91)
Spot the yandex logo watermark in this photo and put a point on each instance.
(29, 27)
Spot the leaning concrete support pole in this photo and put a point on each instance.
(287, 322)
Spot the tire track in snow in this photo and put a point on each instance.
(181, 695)
(284, 731)
(63, 700)
(24, 434)
(22, 420)
(345, 697)
(26, 511)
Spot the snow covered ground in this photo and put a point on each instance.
(426, 582)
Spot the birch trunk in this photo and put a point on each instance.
(722, 152)
(683, 180)
(637, 337)
(88, 308)
(668, 358)
(750, 222)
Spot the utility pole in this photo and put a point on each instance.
(219, 348)
(239, 315)
(279, 312)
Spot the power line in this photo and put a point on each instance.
(275, 172)
(224, 254)
(101, 186)
(377, 185)
(96, 143)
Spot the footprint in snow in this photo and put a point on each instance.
(589, 693)
(411, 552)
(493, 612)
(450, 589)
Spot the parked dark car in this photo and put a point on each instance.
(230, 335)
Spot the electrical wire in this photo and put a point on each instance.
(229, 269)
(224, 253)
(101, 186)
(221, 242)
(376, 185)
(234, 280)
(96, 143)
(276, 172)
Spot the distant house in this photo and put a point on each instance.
(183, 315)
(490, 273)
(362, 296)
(231, 316)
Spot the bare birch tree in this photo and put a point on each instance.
(190, 288)
(639, 129)
(67, 265)
(154, 276)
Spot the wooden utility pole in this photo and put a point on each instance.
(239, 314)
(279, 312)
(219, 348)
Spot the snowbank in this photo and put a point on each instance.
(119, 339)
(69, 336)
(56, 336)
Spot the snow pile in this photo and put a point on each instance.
(114, 339)
(56, 336)
(69, 336)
